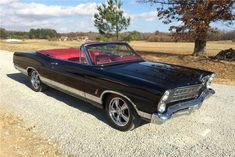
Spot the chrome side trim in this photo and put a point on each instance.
(93, 98)
(88, 96)
(68, 89)
(140, 113)
(62, 86)
(144, 114)
(22, 70)
(32, 69)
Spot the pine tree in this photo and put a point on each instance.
(110, 19)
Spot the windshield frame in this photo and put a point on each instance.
(86, 47)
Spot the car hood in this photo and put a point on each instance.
(160, 74)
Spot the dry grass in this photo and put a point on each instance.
(32, 45)
(170, 52)
(181, 48)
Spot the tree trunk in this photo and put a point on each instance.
(117, 35)
(199, 48)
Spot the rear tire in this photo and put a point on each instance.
(120, 113)
(36, 83)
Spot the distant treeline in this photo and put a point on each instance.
(39, 33)
(215, 36)
(157, 36)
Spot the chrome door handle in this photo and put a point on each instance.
(54, 63)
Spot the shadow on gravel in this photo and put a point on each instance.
(19, 77)
(67, 99)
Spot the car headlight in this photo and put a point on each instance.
(162, 104)
(165, 96)
(161, 107)
(209, 81)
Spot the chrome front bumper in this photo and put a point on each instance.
(183, 108)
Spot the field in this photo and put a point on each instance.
(185, 48)
(32, 45)
(170, 52)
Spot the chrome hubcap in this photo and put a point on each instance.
(119, 111)
(35, 81)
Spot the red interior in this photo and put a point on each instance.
(102, 58)
(95, 56)
(62, 53)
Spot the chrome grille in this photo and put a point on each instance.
(184, 93)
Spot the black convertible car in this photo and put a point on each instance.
(114, 77)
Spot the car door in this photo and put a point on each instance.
(67, 76)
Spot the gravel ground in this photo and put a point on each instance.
(18, 141)
(80, 129)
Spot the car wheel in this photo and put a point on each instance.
(35, 82)
(121, 113)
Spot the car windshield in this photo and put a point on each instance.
(111, 53)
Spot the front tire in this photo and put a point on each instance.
(121, 113)
(35, 82)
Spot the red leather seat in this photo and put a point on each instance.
(62, 53)
(93, 55)
(102, 59)
(125, 58)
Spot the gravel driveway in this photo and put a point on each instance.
(80, 129)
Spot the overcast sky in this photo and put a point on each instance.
(75, 15)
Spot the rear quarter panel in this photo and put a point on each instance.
(33, 59)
